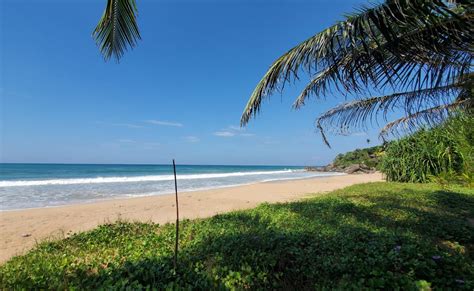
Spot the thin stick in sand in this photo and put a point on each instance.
(177, 218)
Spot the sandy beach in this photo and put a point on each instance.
(21, 229)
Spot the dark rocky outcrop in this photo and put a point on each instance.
(351, 169)
(354, 162)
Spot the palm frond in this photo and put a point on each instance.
(356, 114)
(425, 118)
(354, 72)
(117, 30)
(407, 44)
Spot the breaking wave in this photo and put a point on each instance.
(150, 178)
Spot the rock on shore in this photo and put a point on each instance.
(351, 169)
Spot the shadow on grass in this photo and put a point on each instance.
(385, 241)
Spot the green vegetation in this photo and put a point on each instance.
(444, 154)
(367, 156)
(378, 235)
(416, 54)
(117, 29)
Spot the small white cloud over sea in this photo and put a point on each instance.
(191, 138)
(231, 131)
(224, 133)
(127, 125)
(164, 123)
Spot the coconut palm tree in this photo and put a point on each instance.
(117, 30)
(416, 55)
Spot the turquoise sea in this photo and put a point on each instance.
(46, 185)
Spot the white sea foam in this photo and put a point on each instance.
(307, 177)
(151, 178)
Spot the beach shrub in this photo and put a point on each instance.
(443, 154)
(381, 236)
(367, 156)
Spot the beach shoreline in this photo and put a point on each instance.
(21, 229)
(171, 192)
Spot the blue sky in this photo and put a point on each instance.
(179, 94)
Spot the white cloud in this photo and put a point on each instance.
(124, 140)
(231, 131)
(164, 123)
(236, 128)
(224, 133)
(358, 134)
(191, 138)
(128, 125)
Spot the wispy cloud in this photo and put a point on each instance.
(224, 133)
(360, 133)
(164, 123)
(235, 128)
(127, 125)
(125, 140)
(191, 138)
(232, 131)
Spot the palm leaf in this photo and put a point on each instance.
(425, 118)
(407, 44)
(356, 71)
(117, 30)
(356, 114)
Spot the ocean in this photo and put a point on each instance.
(46, 185)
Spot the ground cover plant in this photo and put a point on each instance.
(378, 235)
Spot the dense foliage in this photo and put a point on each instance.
(367, 156)
(379, 235)
(409, 57)
(117, 30)
(445, 151)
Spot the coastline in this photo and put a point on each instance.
(171, 192)
(21, 229)
(26, 186)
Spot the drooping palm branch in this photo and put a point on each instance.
(356, 114)
(117, 30)
(430, 117)
(421, 50)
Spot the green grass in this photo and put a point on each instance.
(378, 235)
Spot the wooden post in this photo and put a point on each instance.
(175, 262)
